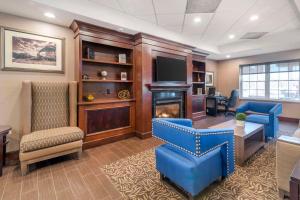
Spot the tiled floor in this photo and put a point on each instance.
(66, 178)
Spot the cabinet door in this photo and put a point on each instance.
(107, 119)
(198, 103)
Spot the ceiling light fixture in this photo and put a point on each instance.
(197, 19)
(231, 36)
(254, 18)
(228, 56)
(49, 15)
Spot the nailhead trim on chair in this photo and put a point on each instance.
(198, 152)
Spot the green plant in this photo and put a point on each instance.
(240, 116)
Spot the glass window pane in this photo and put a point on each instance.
(283, 85)
(293, 75)
(294, 66)
(245, 77)
(294, 85)
(245, 93)
(274, 85)
(261, 77)
(274, 94)
(283, 94)
(245, 70)
(261, 93)
(274, 68)
(253, 86)
(253, 69)
(245, 85)
(274, 76)
(253, 77)
(261, 68)
(294, 95)
(252, 93)
(284, 76)
(283, 67)
(261, 85)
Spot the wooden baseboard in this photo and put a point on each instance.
(288, 119)
(143, 135)
(102, 141)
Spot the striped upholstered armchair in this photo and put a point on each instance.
(49, 120)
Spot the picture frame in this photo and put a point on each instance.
(31, 52)
(124, 76)
(209, 79)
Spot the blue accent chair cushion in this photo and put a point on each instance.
(191, 158)
(268, 117)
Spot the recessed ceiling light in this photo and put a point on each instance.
(254, 17)
(231, 36)
(50, 15)
(197, 19)
(228, 56)
(121, 29)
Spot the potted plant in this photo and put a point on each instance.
(240, 119)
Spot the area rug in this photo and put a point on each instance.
(136, 178)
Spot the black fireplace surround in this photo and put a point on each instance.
(169, 101)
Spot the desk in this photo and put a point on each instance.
(4, 130)
(212, 104)
(295, 182)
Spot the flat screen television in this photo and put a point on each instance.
(170, 69)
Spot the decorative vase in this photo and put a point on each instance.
(240, 123)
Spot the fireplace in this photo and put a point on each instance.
(168, 104)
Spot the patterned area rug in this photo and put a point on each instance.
(136, 178)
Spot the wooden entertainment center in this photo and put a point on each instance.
(102, 55)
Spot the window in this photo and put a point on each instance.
(274, 81)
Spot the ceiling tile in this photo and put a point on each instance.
(170, 6)
(148, 18)
(192, 28)
(137, 7)
(109, 3)
(170, 20)
(176, 29)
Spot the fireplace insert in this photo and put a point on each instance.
(168, 104)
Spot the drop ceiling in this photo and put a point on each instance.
(171, 19)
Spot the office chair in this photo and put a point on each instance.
(211, 91)
(230, 103)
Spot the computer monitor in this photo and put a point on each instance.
(211, 91)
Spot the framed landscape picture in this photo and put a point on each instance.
(23, 51)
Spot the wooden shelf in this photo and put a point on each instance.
(200, 72)
(103, 101)
(105, 62)
(105, 81)
(198, 83)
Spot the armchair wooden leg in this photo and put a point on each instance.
(24, 168)
(78, 154)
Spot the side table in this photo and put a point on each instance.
(4, 130)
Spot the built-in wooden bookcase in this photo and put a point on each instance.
(105, 89)
(107, 117)
(198, 76)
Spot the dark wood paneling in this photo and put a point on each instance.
(107, 119)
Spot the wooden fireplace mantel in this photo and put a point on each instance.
(168, 86)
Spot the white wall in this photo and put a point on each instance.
(11, 82)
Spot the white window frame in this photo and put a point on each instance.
(267, 81)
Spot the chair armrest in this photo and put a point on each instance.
(289, 139)
(213, 138)
(183, 122)
(276, 110)
(242, 108)
(287, 154)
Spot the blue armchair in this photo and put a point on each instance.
(191, 158)
(268, 117)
